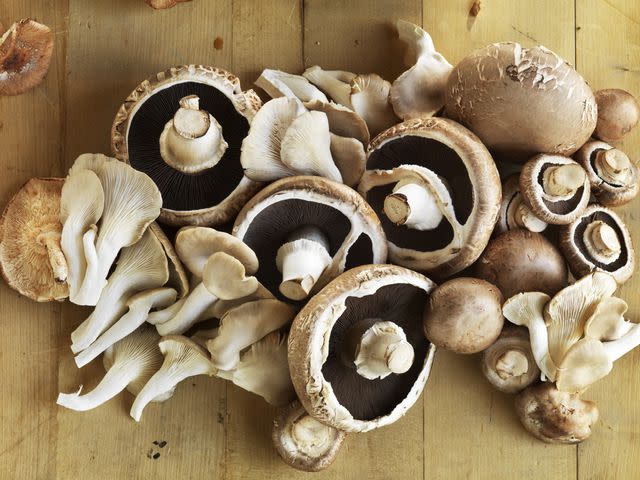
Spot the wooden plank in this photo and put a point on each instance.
(30, 128)
(608, 51)
(462, 412)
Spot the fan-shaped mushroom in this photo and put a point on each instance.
(514, 211)
(618, 114)
(437, 192)
(205, 187)
(351, 314)
(282, 84)
(300, 218)
(342, 120)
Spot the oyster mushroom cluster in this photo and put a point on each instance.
(312, 229)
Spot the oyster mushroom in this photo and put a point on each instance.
(296, 225)
(349, 157)
(25, 55)
(514, 211)
(31, 258)
(618, 114)
(281, 84)
(436, 190)
(343, 121)
(322, 357)
(208, 186)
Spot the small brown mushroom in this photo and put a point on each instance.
(508, 364)
(25, 54)
(522, 261)
(554, 416)
(618, 114)
(464, 315)
(514, 211)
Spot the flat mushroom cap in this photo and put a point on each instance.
(25, 55)
(521, 101)
(353, 230)
(214, 195)
(330, 389)
(30, 232)
(469, 179)
(598, 240)
(177, 274)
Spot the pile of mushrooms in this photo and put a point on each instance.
(290, 296)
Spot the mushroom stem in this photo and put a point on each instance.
(51, 240)
(194, 306)
(602, 242)
(114, 381)
(563, 180)
(613, 166)
(623, 345)
(301, 260)
(512, 363)
(523, 217)
(192, 141)
(414, 206)
(166, 314)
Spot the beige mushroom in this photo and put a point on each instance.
(281, 84)
(349, 157)
(343, 121)
(336, 83)
(618, 114)
(514, 212)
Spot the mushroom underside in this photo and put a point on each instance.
(561, 207)
(578, 237)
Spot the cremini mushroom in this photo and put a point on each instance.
(25, 54)
(281, 84)
(436, 190)
(129, 363)
(598, 240)
(303, 442)
(419, 92)
(514, 211)
(31, 258)
(508, 363)
(184, 127)
(306, 231)
(521, 101)
(618, 114)
(375, 312)
(522, 261)
(464, 315)
(554, 416)
(614, 178)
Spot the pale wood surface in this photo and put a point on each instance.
(460, 428)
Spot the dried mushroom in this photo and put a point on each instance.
(25, 54)
(598, 240)
(306, 231)
(377, 308)
(514, 212)
(436, 190)
(174, 127)
(618, 114)
(31, 258)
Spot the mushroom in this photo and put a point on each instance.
(281, 84)
(349, 157)
(331, 329)
(31, 259)
(614, 178)
(618, 114)
(177, 274)
(183, 358)
(555, 188)
(436, 190)
(164, 4)
(174, 127)
(25, 54)
(554, 416)
(598, 240)
(514, 211)
(295, 216)
(343, 121)
(129, 363)
(508, 363)
(522, 261)
(419, 91)
(139, 307)
(464, 315)
(521, 101)
(303, 442)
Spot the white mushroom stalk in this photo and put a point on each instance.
(614, 166)
(139, 307)
(51, 241)
(414, 205)
(129, 363)
(563, 180)
(602, 242)
(282, 84)
(192, 140)
(302, 260)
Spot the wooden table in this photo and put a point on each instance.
(460, 428)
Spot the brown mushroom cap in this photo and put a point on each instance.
(329, 388)
(521, 101)
(29, 221)
(554, 416)
(464, 315)
(618, 114)
(614, 251)
(25, 54)
(465, 168)
(522, 261)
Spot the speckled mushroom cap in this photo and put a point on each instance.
(353, 230)
(582, 260)
(329, 389)
(427, 147)
(553, 210)
(214, 195)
